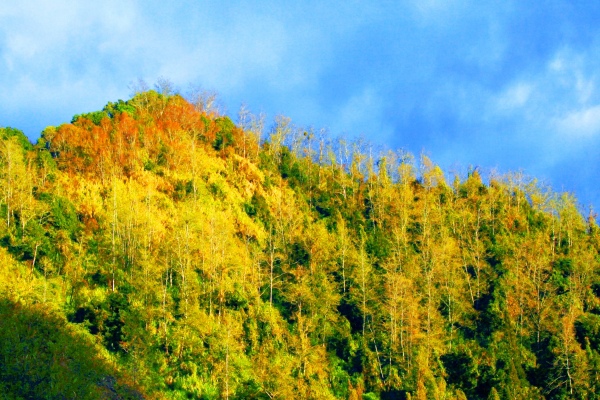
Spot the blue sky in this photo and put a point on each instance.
(500, 85)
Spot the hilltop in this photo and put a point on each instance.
(155, 249)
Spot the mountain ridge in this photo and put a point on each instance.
(208, 261)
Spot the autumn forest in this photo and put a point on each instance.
(156, 249)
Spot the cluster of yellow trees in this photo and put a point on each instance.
(204, 259)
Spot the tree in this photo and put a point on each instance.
(16, 182)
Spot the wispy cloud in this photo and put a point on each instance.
(514, 97)
(511, 84)
(581, 123)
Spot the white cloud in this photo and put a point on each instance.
(558, 100)
(574, 72)
(582, 123)
(360, 106)
(362, 114)
(569, 99)
(515, 96)
(62, 40)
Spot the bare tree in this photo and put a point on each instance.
(203, 100)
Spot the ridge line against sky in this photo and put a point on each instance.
(512, 86)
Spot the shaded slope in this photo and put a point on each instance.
(43, 358)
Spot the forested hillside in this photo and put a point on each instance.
(155, 249)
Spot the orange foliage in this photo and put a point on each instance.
(125, 144)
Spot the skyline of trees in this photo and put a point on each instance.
(215, 260)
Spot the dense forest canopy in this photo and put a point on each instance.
(155, 249)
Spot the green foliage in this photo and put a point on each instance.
(113, 109)
(378, 244)
(22, 140)
(96, 117)
(43, 358)
(63, 215)
(258, 207)
(225, 132)
(561, 271)
(45, 162)
(461, 371)
(587, 331)
(183, 189)
(286, 163)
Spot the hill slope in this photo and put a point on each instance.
(204, 263)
